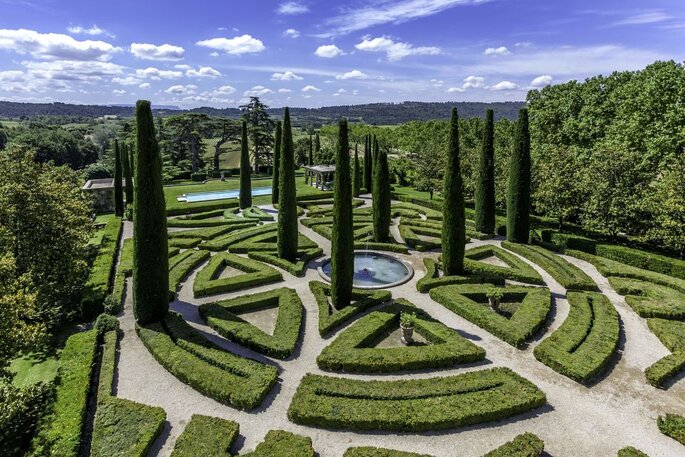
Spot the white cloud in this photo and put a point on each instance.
(340, 92)
(541, 81)
(501, 51)
(437, 82)
(504, 85)
(328, 51)
(73, 70)
(287, 76)
(55, 46)
(12, 76)
(145, 86)
(225, 90)
(456, 89)
(203, 72)
(243, 44)
(648, 17)
(473, 82)
(523, 44)
(118, 92)
(182, 66)
(284, 91)
(149, 51)
(354, 74)
(311, 89)
(93, 30)
(127, 81)
(395, 50)
(257, 91)
(291, 33)
(292, 7)
(181, 90)
(157, 74)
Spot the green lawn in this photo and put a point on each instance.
(229, 158)
(32, 368)
(411, 192)
(96, 238)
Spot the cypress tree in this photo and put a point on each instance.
(311, 150)
(150, 245)
(342, 249)
(356, 183)
(245, 172)
(518, 193)
(127, 174)
(317, 147)
(453, 217)
(287, 209)
(367, 163)
(118, 191)
(275, 182)
(381, 197)
(485, 184)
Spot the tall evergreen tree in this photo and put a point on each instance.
(381, 197)
(150, 244)
(485, 185)
(518, 192)
(342, 240)
(287, 209)
(275, 181)
(367, 163)
(245, 171)
(118, 191)
(453, 217)
(356, 177)
(311, 150)
(126, 162)
(317, 148)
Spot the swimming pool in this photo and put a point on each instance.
(220, 195)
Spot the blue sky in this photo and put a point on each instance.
(316, 53)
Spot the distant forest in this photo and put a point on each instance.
(373, 114)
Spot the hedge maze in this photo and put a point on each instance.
(672, 335)
(253, 274)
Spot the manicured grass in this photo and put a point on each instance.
(672, 335)
(471, 303)
(255, 274)
(587, 340)
(650, 300)
(517, 269)
(32, 369)
(672, 425)
(415, 405)
(206, 436)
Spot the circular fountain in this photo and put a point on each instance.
(373, 270)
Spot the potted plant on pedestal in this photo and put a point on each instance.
(407, 323)
(495, 296)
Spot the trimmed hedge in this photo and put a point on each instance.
(566, 274)
(97, 286)
(209, 222)
(209, 233)
(518, 270)
(224, 318)
(354, 349)
(256, 274)
(378, 452)
(673, 426)
(297, 268)
(471, 303)
(525, 445)
(672, 335)
(254, 212)
(324, 208)
(184, 243)
(267, 242)
(182, 269)
(191, 208)
(59, 430)
(631, 452)
(206, 436)
(224, 242)
(205, 215)
(586, 341)
(416, 405)
(433, 279)
(330, 318)
(650, 300)
(121, 427)
(282, 443)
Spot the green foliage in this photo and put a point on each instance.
(287, 206)
(275, 180)
(433, 278)
(587, 340)
(485, 185)
(415, 405)
(525, 445)
(245, 171)
(97, 286)
(368, 165)
(354, 350)
(254, 212)
(256, 273)
(118, 190)
(668, 202)
(297, 268)
(182, 269)
(150, 244)
(651, 300)
(378, 452)
(224, 317)
(454, 219)
(106, 323)
(237, 223)
(55, 144)
(128, 175)
(518, 193)
(558, 192)
(224, 242)
(260, 126)
(517, 269)
(631, 452)
(672, 335)
(356, 174)
(470, 302)
(206, 436)
(381, 198)
(279, 442)
(21, 410)
(673, 425)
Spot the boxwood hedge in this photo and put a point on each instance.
(297, 268)
(184, 243)
(267, 243)
(224, 317)
(206, 436)
(97, 286)
(585, 343)
(378, 452)
(471, 303)
(631, 452)
(518, 270)
(672, 335)
(650, 300)
(207, 223)
(224, 242)
(209, 233)
(255, 274)
(415, 405)
(433, 278)
(282, 443)
(672, 425)
(354, 349)
(182, 269)
(255, 212)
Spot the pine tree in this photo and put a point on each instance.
(485, 185)
(287, 209)
(518, 193)
(150, 245)
(357, 173)
(453, 216)
(367, 163)
(118, 191)
(381, 197)
(342, 250)
(126, 162)
(245, 172)
(275, 181)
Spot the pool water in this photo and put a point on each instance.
(220, 195)
(374, 270)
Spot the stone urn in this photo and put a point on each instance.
(407, 334)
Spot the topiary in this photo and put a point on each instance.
(106, 323)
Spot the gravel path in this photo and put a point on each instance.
(620, 410)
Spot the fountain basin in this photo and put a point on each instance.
(373, 270)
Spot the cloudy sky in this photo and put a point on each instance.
(318, 52)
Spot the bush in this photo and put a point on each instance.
(200, 207)
(266, 243)
(205, 215)
(526, 445)
(470, 302)
(433, 279)
(294, 268)
(209, 233)
(198, 177)
(256, 273)
(672, 425)
(279, 442)
(672, 335)
(179, 271)
(354, 351)
(206, 436)
(631, 452)
(20, 411)
(518, 270)
(184, 243)
(113, 305)
(416, 405)
(378, 452)
(237, 223)
(224, 242)
(566, 274)
(587, 340)
(106, 323)
(224, 317)
(255, 212)
(650, 300)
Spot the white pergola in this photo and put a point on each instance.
(320, 176)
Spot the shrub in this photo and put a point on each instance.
(279, 442)
(672, 425)
(454, 219)
(294, 268)
(207, 233)
(198, 177)
(200, 207)
(224, 242)
(106, 323)
(566, 274)
(672, 335)
(354, 349)
(433, 279)
(650, 300)
(518, 192)
(518, 270)
(631, 452)
(587, 340)
(415, 405)
(184, 243)
(205, 215)
(526, 445)
(377, 452)
(20, 412)
(266, 243)
(224, 317)
(381, 196)
(113, 304)
(469, 301)
(206, 436)
(256, 273)
(254, 212)
(238, 223)
(182, 269)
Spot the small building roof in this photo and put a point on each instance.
(321, 168)
(102, 183)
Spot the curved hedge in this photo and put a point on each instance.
(297, 268)
(631, 452)
(672, 335)
(255, 274)
(470, 302)
(673, 426)
(518, 270)
(206, 436)
(586, 341)
(433, 279)
(181, 269)
(415, 405)
(650, 300)
(255, 212)
(224, 242)
(224, 317)
(354, 349)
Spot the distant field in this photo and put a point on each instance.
(230, 158)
